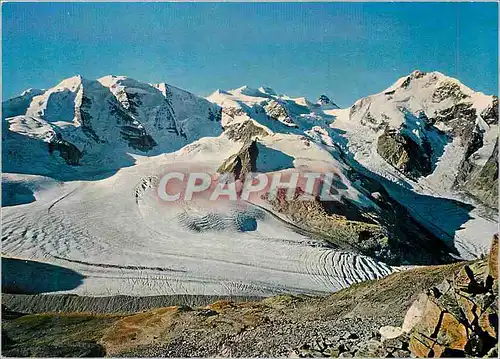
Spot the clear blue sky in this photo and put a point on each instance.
(346, 50)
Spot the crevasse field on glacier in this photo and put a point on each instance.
(99, 215)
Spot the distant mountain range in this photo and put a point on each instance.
(417, 163)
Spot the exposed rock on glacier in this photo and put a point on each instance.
(326, 103)
(243, 162)
(277, 111)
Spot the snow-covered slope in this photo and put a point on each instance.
(81, 161)
(123, 244)
(443, 117)
(449, 131)
(100, 123)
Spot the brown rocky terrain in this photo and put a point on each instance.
(390, 234)
(404, 154)
(459, 317)
(397, 316)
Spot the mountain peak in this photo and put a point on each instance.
(324, 101)
(221, 92)
(267, 90)
(111, 78)
(241, 89)
(248, 91)
(71, 82)
(417, 74)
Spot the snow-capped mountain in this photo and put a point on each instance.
(415, 171)
(89, 122)
(427, 130)
(326, 103)
(430, 128)
(427, 133)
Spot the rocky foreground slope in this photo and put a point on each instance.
(397, 316)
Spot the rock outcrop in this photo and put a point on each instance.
(69, 152)
(278, 112)
(326, 103)
(243, 162)
(459, 317)
(405, 154)
(349, 231)
(483, 183)
(245, 131)
(388, 234)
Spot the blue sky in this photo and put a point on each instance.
(346, 50)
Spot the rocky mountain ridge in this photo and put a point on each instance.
(412, 124)
(427, 133)
(96, 119)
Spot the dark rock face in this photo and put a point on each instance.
(448, 90)
(461, 118)
(408, 240)
(215, 115)
(404, 154)
(460, 316)
(245, 131)
(131, 131)
(277, 111)
(69, 152)
(243, 162)
(130, 101)
(325, 101)
(165, 116)
(414, 75)
(233, 111)
(165, 119)
(137, 138)
(479, 181)
(389, 234)
(490, 114)
(483, 184)
(82, 116)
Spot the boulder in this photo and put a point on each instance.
(460, 316)
(414, 314)
(390, 332)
